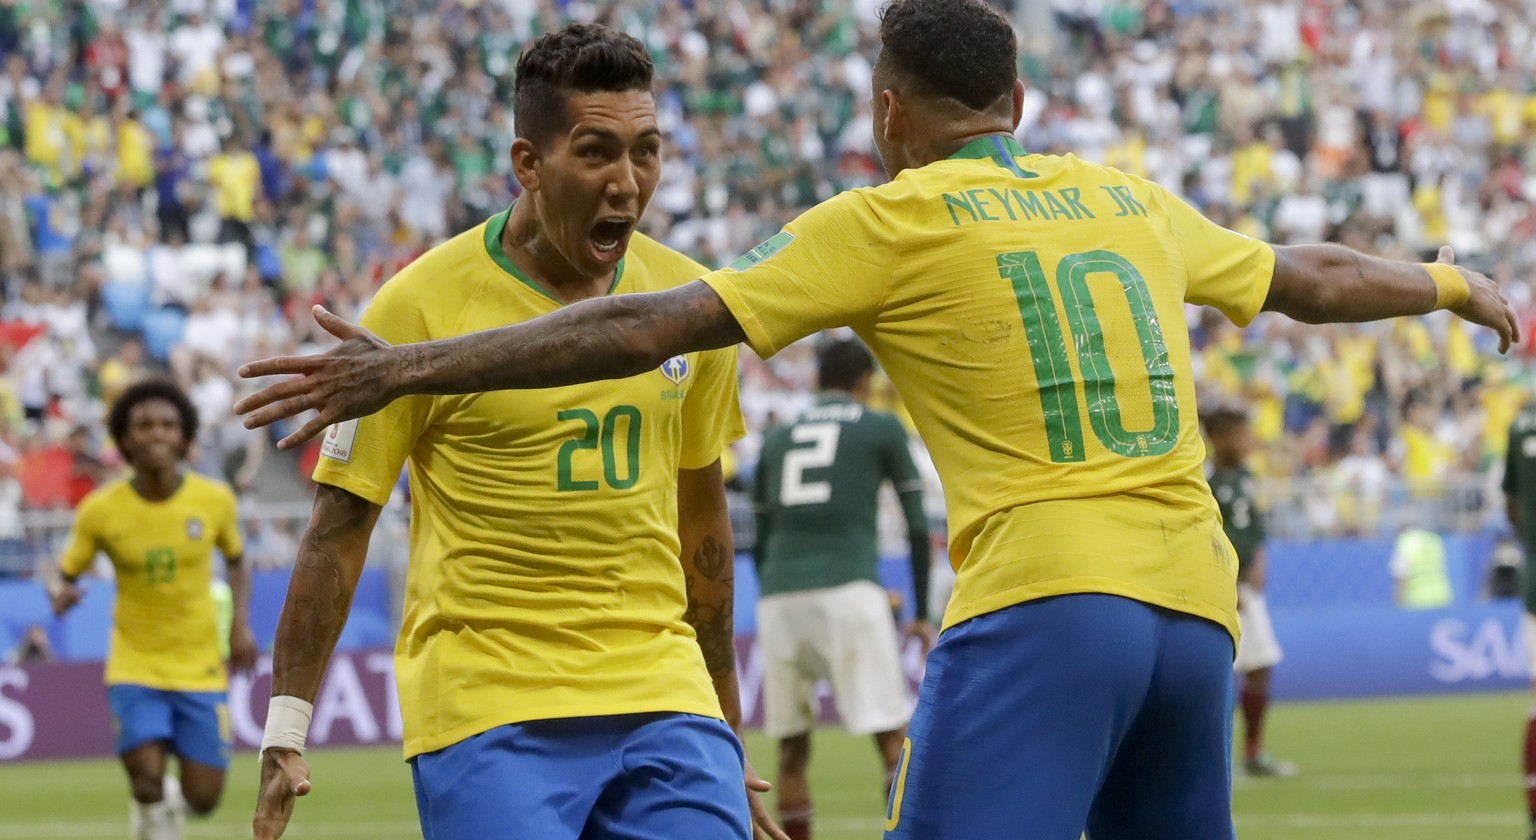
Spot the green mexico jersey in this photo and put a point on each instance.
(1241, 517)
(817, 495)
(1520, 487)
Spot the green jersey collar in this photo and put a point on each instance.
(493, 228)
(1000, 148)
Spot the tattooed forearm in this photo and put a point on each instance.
(711, 586)
(602, 338)
(320, 592)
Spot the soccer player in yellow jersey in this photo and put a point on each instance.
(166, 676)
(1030, 310)
(561, 674)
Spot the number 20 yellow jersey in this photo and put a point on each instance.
(544, 579)
(1030, 311)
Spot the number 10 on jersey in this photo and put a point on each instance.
(1053, 371)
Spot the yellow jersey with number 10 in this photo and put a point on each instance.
(544, 579)
(165, 629)
(1030, 311)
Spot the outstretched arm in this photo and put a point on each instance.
(1328, 284)
(330, 560)
(602, 338)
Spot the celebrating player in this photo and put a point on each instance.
(560, 676)
(166, 677)
(824, 614)
(1030, 310)
(1258, 650)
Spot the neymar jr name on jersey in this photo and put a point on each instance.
(1065, 204)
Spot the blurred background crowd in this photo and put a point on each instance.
(180, 180)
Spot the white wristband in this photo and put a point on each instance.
(287, 723)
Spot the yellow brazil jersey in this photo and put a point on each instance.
(544, 579)
(1030, 311)
(164, 624)
(237, 177)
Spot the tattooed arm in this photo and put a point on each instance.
(602, 338)
(1322, 284)
(331, 557)
(709, 576)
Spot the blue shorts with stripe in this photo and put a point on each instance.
(196, 723)
(621, 777)
(1069, 714)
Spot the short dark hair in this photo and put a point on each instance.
(151, 389)
(579, 58)
(963, 50)
(842, 364)
(1223, 420)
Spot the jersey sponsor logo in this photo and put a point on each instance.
(194, 529)
(676, 369)
(772, 245)
(338, 441)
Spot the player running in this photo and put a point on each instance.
(1258, 650)
(1030, 311)
(166, 677)
(560, 676)
(823, 613)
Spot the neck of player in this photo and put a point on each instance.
(526, 244)
(156, 484)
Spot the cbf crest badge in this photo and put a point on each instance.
(675, 369)
(194, 529)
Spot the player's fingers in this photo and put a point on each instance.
(273, 393)
(336, 325)
(279, 365)
(1447, 255)
(759, 784)
(314, 427)
(280, 410)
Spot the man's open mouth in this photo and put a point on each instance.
(609, 236)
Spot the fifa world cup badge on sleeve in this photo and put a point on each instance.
(338, 441)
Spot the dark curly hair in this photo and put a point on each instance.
(963, 50)
(151, 389)
(580, 58)
(841, 364)
(1219, 421)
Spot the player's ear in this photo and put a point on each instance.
(895, 117)
(1018, 102)
(525, 161)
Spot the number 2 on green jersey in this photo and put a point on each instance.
(1053, 370)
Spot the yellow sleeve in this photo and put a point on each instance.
(1227, 270)
(229, 539)
(828, 268)
(712, 411)
(80, 551)
(364, 457)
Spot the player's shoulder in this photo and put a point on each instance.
(210, 489)
(437, 276)
(883, 422)
(655, 267)
(103, 499)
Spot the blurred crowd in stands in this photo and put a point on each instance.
(180, 180)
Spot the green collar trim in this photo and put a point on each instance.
(999, 148)
(493, 229)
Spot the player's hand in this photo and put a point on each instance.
(63, 596)
(1485, 305)
(763, 826)
(351, 380)
(923, 631)
(242, 647)
(284, 776)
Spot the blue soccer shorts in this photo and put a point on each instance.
(621, 777)
(1079, 712)
(196, 723)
